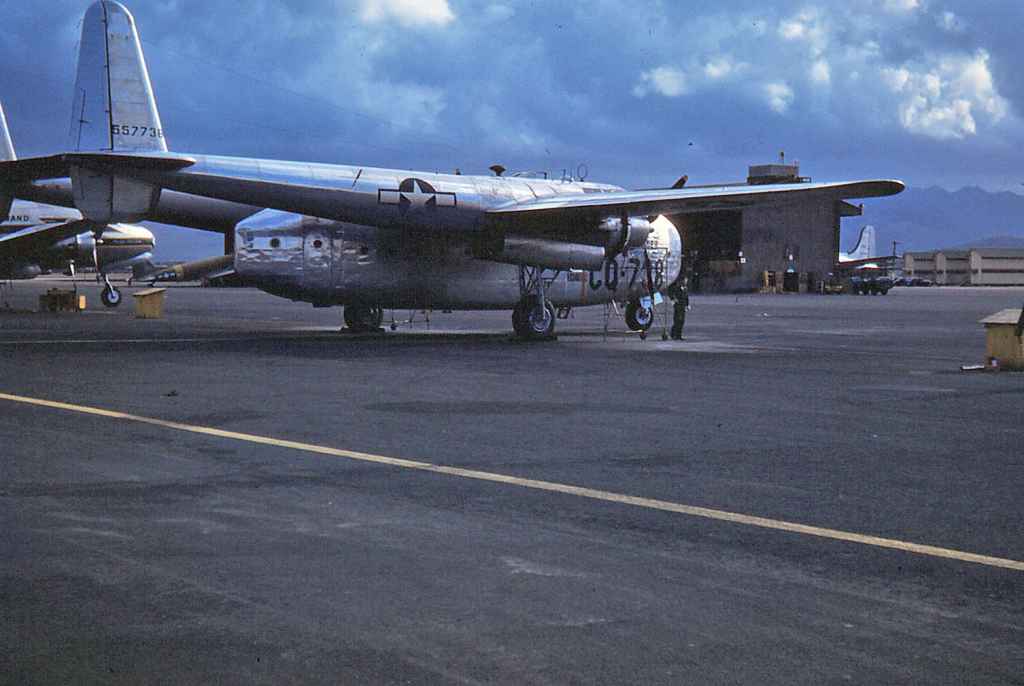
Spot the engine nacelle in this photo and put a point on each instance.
(562, 247)
(78, 248)
(552, 254)
(20, 272)
(623, 235)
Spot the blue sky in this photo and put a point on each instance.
(639, 92)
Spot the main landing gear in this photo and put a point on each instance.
(533, 317)
(110, 295)
(363, 318)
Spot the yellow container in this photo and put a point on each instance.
(59, 300)
(1002, 343)
(149, 304)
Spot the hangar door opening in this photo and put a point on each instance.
(712, 242)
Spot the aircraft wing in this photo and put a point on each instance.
(320, 192)
(689, 200)
(33, 239)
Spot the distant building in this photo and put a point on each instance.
(792, 247)
(968, 267)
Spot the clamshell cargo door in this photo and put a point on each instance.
(317, 259)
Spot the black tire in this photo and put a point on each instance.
(360, 318)
(526, 323)
(638, 317)
(519, 324)
(110, 297)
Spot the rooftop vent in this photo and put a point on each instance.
(779, 172)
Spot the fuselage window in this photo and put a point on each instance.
(275, 242)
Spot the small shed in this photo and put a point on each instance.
(1004, 339)
(149, 304)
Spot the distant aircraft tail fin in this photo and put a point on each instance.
(114, 107)
(865, 247)
(6, 146)
(6, 155)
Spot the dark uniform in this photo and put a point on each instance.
(680, 302)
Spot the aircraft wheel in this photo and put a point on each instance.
(638, 317)
(110, 296)
(531, 324)
(363, 317)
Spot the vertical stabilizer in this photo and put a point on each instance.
(114, 108)
(6, 155)
(865, 247)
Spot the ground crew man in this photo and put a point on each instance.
(680, 295)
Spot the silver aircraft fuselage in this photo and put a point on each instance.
(338, 263)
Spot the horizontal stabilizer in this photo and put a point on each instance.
(115, 164)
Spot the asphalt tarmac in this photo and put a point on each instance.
(806, 490)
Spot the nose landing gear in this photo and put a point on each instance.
(110, 295)
(639, 317)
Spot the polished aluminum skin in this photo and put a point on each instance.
(346, 234)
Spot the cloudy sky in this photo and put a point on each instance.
(931, 91)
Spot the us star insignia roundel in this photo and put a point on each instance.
(415, 194)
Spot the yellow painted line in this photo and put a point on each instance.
(550, 486)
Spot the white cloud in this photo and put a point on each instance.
(821, 72)
(779, 96)
(901, 6)
(948, 21)
(719, 68)
(408, 12)
(792, 29)
(664, 80)
(945, 98)
(808, 26)
(807, 53)
(896, 79)
(495, 14)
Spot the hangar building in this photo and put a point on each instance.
(789, 247)
(967, 267)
